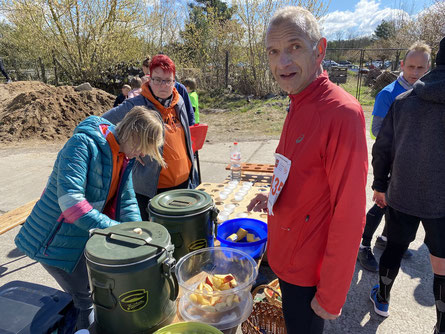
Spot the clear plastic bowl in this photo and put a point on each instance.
(193, 268)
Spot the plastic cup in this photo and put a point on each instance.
(247, 184)
(229, 206)
(231, 186)
(238, 197)
(233, 182)
(223, 195)
(223, 216)
(228, 190)
(246, 188)
(228, 211)
(242, 215)
(241, 193)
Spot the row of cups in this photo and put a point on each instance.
(239, 195)
(228, 210)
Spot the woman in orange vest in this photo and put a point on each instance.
(159, 92)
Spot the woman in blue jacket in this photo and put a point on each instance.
(90, 187)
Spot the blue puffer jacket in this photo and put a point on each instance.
(56, 231)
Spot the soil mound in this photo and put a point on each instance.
(33, 110)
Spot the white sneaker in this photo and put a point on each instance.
(9, 81)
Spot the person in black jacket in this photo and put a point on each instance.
(410, 148)
(122, 96)
(5, 74)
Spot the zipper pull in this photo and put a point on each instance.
(307, 218)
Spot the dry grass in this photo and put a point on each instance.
(232, 119)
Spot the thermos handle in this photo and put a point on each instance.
(110, 234)
(168, 270)
(214, 219)
(107, 285)
(214, 213)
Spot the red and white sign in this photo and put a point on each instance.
(280, 174)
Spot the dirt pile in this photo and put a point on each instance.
(33, 110)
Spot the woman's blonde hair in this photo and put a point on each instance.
(143, 127)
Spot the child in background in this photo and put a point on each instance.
(190, 85)
(136, 84)
(122, 96)
(145, 69)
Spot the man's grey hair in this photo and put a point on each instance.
(301, 17)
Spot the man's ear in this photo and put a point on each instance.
(321, 49)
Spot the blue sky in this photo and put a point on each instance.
(354, 18)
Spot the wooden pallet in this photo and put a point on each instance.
(15, 217)
(259, 168)
(213, 190)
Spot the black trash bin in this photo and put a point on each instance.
(32, 308)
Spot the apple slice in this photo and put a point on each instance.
(229, 300)
(208, 308)
(217, 282)
(225, 286)
(214, 300)
(207, 288)
(201, 300)
(194, 298)
(228, 278)
(208, 281)
(220, 306)
(220, 276)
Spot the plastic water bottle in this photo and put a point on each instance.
(235, 163)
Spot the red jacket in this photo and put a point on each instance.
(315, 232)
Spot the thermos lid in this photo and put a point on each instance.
(180, 202)
(127, 243)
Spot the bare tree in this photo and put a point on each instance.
(254, 16)
(84, 36)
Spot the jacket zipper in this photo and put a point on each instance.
(124, 178)
(52, 237)
(188, 142)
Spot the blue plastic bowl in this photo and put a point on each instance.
(259, 228)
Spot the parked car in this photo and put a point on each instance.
(345, 63)
(329, 63)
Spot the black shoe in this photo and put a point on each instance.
(367, 259)
(380, 243)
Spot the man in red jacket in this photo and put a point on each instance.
(316, 205)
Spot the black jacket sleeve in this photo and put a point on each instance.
(382, 153)
(119, 99)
